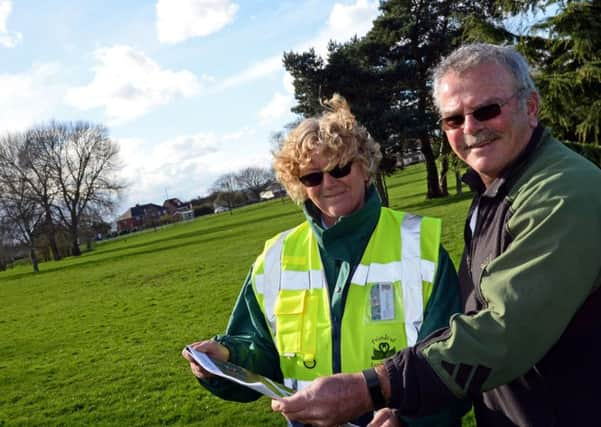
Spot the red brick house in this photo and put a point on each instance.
(139, 217)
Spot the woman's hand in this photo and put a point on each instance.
(211, 348)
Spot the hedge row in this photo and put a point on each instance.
(590, 151)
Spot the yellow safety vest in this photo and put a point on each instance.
(384, 307)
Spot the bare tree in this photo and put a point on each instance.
(25, 156)
(255, 179)
(19, 211)
(226, 186)
(84, 162)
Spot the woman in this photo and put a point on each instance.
(348, 287)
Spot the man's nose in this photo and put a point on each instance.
(471, 125)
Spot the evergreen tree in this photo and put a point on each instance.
(567, 60)
(385, 75)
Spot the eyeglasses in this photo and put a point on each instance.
(482, 114)
(315, 178)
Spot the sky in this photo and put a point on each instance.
(189, 89)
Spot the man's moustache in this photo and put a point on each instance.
(472, 141)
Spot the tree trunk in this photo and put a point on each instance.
(458, 186)
(432, 177)
(75, 251)
(51, 230)
(34, 259)
(380, 183)
(442, 181)
(444, 167)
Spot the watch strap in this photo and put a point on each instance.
(373, 385)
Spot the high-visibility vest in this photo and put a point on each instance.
(384, 307)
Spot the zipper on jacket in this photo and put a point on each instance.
(474, 237)
(337, 324)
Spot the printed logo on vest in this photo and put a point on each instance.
(383, 347)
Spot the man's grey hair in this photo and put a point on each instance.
(472, 55)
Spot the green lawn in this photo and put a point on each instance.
(96, 340)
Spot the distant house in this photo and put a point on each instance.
(410, 157)
(176, 208)
(273, 191)
(140, 216)
(220, 208)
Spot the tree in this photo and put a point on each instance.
(385, 75)
(39, 175)
(254, 179)
(567, 58)
(226, 186)
(20, 212)
(84, 162)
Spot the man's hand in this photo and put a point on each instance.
(211, 348)
(328, 401)
(385, 418)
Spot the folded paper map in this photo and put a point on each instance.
(243, 376)
(240, 375)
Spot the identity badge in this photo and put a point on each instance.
(382, 301)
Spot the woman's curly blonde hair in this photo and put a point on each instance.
(336, 135)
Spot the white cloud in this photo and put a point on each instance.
(7, 39)
(278, 107)
(288, 81)
(185, 166)
(29, 98)
(344, 22)
(179, 20)
(128, 84)
(256, 71)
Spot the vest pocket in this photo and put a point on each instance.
(289, 312)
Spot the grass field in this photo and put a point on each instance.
(96, 340)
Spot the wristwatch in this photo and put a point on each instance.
(373, 384)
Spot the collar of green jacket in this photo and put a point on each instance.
(346, 240)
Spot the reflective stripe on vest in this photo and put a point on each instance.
(295, 287)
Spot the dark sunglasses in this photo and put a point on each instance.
(315, 178)
(482, 114)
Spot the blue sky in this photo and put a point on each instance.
(189, 89)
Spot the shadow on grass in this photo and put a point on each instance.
(406, 182)
(199, 232)
(121, 253)
(431, 203)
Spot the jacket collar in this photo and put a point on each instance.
(339, 240)
(510, 174)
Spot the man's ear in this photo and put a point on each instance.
(533, 108)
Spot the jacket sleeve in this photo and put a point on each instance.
(442, 304)
(250, 344)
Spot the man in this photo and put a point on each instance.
(528, 345)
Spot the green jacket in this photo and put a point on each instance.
(341, 247)
(528, 346)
